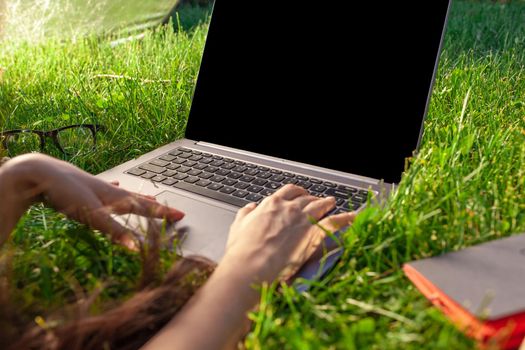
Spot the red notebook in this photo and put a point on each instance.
(481, 289)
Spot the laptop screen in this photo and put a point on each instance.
(339, 86)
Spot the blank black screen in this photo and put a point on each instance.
(338, 86)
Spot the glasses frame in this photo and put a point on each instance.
(52, 134)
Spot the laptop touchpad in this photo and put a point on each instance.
(205, 227)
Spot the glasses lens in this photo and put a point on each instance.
(76, 141)
(23, 142)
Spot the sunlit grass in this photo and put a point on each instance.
(466, 186)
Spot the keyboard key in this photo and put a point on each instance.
(206, 160)
(194, 172)
(179, 161)
(253, 197)
(206, 155)
(217, 163)
(148, 176)
(247, 178)
(190, 163)
(355, 206)
(180, 176)
(173, 166)
(205, 176)
(234, 175)
(252, 172)
(273, 185)
(329, 184)
(340, 201)
(153, 168)
(347, 189)
(200, 166)
(316, 181)
(240, 169)
(228, 166)
(185, 155)
(262, 168)
(191, 179)
(227, 160)
(304, 184)
(275, 171)
(223, 172)
(159, 162)
(227, 190)
(229, 182)
(267, 192)
(290, 181)
(175, 153)
(239, 162)
(198, 153)
(264, 175)
(242, 185)
(169, 182)
(254, 189)
(167, 157)
(337, 193)
(240, 193)
(169, 173)
(159, 178)
(217, 178)
(363, 193)
(340, 211)
(211, 169)
(277, 178)
(216, 157)
(359, 198)
(289, 174)
(302, 178)
(183, 169)
(184, 149)
(203, 183)
(319, 188)
(137, 172)
(195, 158)
(215, 187)
(251, 166)
(259, 182)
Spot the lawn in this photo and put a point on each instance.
(466, 185)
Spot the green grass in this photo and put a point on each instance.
(466, 186)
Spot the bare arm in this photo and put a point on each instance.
(32, 178)
(263, 241)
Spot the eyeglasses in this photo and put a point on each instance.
(73, 140)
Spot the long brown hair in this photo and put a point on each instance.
(128, 326)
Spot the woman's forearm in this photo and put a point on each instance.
(18, 191)
(216, 316)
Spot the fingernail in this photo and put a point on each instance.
(178, 215)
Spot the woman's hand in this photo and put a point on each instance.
(281, 233)
(79, 195)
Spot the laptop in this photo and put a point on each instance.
(328, 97)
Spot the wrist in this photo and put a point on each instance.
(12, 206)
(255, 266)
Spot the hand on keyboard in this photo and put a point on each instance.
(278, 235)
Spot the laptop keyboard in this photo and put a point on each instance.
(237, 182)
